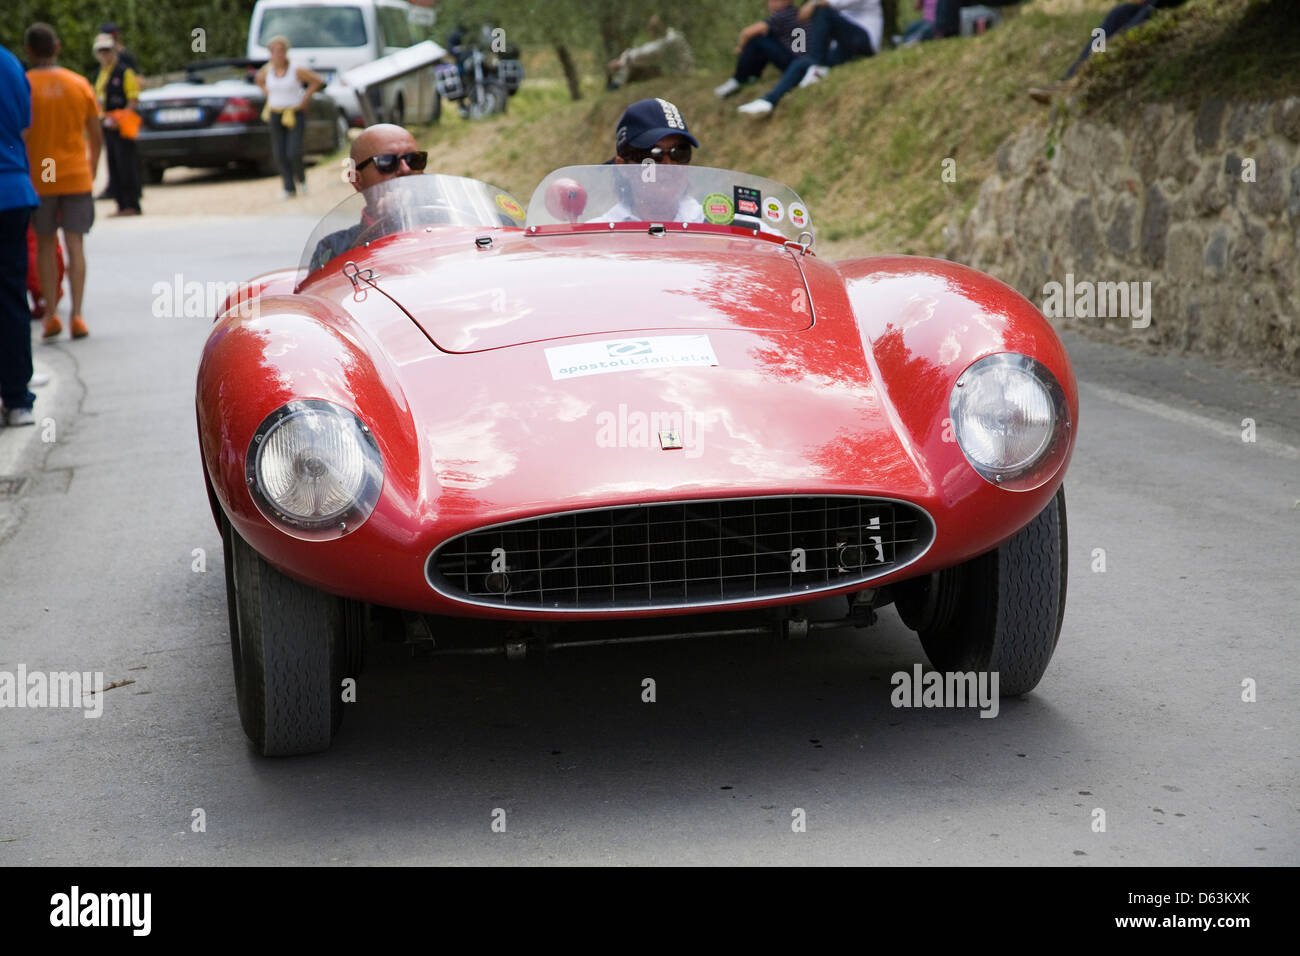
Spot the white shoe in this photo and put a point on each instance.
(727, 88)
(38, 379)
(756, 108)
(302, 188)
(19, 416)
(285, 194)
(814, 75)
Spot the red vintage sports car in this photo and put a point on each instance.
(648, 398)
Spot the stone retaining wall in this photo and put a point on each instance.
(1204, 204)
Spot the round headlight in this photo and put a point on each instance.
(315, 469)
(1011, 420)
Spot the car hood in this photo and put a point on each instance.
(523, 289)
(507, 432)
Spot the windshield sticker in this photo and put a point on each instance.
(747, 201)
(773, 211)
(718, 209)
(629, 355)
(798, 215)
(510, 207)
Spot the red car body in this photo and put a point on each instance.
(832, 379)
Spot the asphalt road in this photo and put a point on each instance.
(1140, 715)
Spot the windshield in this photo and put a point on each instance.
(665, 193)
(314, 27)
(404, 204)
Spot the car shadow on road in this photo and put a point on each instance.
(759, 725)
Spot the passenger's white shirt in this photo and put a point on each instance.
(866, 14)
(688, 210)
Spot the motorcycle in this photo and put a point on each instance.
(482, 80)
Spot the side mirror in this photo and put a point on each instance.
(566, 199)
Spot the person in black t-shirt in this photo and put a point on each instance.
(764, 42)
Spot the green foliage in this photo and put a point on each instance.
(160, 35)
(1228, 48)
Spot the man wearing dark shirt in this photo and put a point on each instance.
(764, 42)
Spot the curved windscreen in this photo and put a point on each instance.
(666, 193)
(405, 204)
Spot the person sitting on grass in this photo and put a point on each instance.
(838, 31)
(764, 42)
(667, 54)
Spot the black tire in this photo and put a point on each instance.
(1001, 612)
(291, 646)
(153, 175)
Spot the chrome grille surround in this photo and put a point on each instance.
(681, 554)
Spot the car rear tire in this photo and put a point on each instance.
(1000, 612)
(153, 175)
(292, 646)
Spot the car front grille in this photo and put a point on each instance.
(681, 554)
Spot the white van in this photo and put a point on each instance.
(333, 36)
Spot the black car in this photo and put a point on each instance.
(213, 117)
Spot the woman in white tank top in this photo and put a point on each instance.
(288, 89)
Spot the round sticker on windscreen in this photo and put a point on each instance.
(773, 211)
(510, 207)
(718, 209)
(798, 215)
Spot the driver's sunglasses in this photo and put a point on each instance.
(389, 162)
(681, 153)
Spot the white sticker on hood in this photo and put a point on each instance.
(628, 355)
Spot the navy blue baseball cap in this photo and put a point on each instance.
(646, 122)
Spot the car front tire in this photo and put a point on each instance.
(292, 646)
(1000, 612)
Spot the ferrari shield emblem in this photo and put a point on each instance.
(669, 440)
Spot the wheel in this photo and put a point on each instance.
(153, 175)
(1001, 611)
(292, 646)
(484, 100)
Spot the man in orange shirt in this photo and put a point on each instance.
(63, 147)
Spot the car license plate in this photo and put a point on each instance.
(186, 114)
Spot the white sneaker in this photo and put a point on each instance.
(19, 416)
(756, 108)
(814, 74)
(38, 379)
(727, 88)
(302, 188)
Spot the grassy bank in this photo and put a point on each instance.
(867, 146)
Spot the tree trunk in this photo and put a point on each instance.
(890, 8)
(570, 71)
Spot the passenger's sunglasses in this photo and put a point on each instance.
(681, 153)
(389, 162)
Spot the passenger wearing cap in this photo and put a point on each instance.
(653, 131)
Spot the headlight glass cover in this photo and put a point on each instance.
(314, 468)
(1011, 420)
